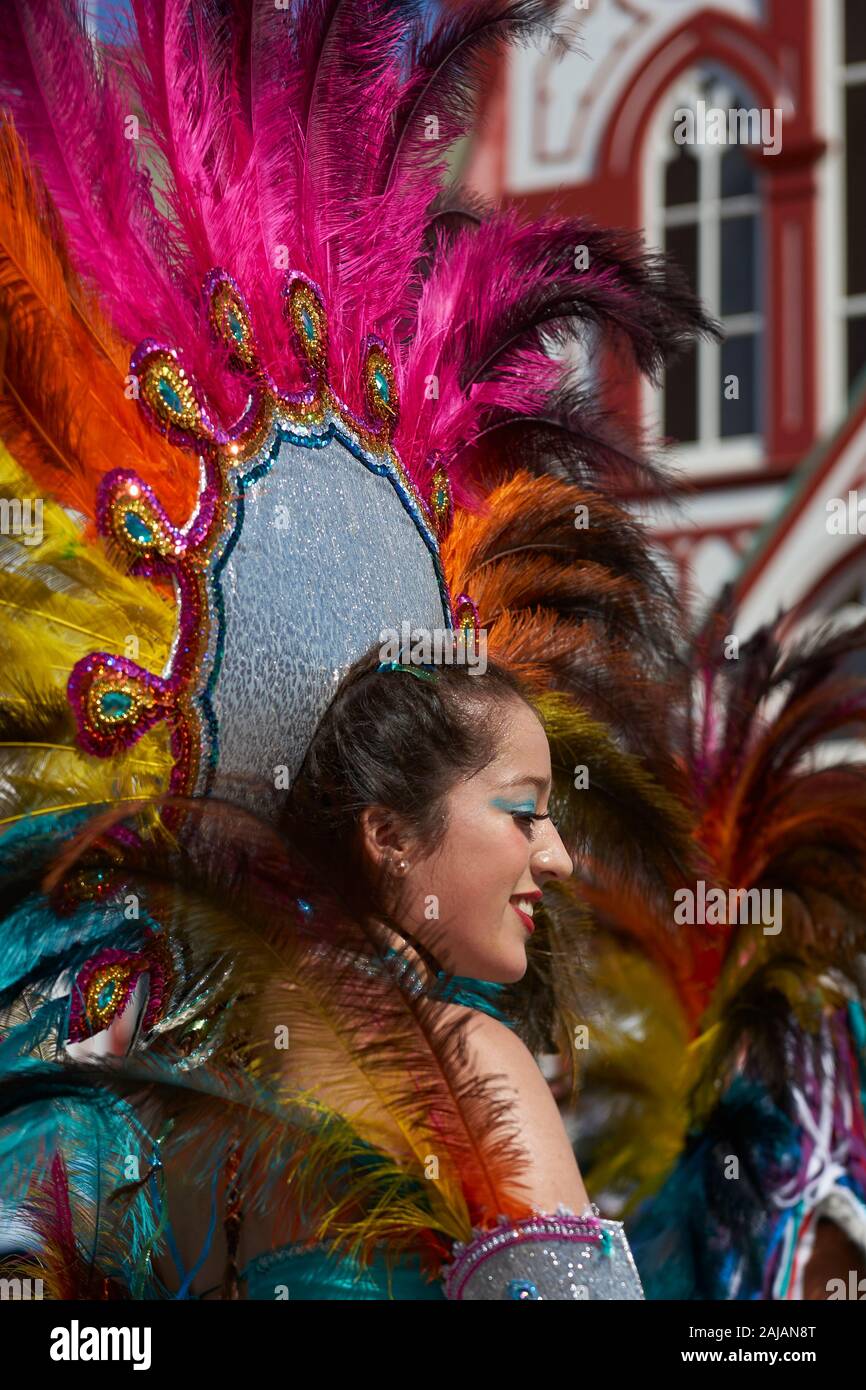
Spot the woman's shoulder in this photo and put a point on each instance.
(498, 1050)
(493, 1050)
(487, 1034)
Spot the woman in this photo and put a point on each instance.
(306, 397)
(428, 793)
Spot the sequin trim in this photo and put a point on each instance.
(587, 1231)
(104, 985)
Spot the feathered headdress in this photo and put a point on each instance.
(278, 392)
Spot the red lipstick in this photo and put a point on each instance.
(534, 897)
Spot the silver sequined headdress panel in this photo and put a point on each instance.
(308, 542)
(328, 557)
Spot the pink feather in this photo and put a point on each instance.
(297, 138)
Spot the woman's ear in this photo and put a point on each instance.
(385, 843)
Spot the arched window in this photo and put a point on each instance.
(705, 210)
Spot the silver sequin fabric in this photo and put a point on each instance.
(543, 1257)
(327, 557)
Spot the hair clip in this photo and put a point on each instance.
(424, 671)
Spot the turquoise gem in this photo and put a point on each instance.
(309, 326)
(138, 529)
(169, 395)
(105, 995)
(521, 1288)
(115, 704)
(237, 328)
(382, 386)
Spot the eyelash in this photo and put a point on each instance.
(529, 817)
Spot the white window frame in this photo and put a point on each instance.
(710, 454)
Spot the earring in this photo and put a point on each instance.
(402, 866)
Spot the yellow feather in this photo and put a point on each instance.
(60, 600)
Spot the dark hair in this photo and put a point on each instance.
(397, 740)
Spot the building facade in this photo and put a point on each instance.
(735, 138)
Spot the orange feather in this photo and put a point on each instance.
(64, 413)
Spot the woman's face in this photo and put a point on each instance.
(471, 900)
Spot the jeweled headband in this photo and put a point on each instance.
(424, 671)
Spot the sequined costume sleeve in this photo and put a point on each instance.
(561, 1256)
